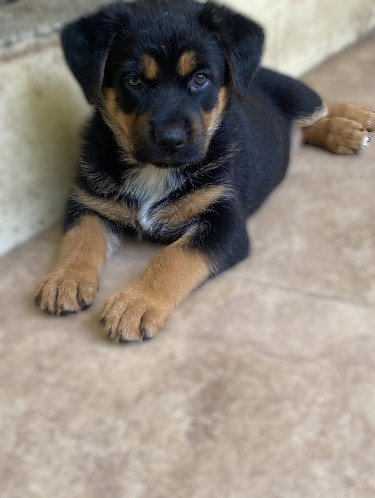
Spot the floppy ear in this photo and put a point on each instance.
(242, 41)
(86, 44)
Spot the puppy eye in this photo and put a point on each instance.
(200, 80)
(135, 83)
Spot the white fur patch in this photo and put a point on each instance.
(149, 185)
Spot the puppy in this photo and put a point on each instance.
(188, 138)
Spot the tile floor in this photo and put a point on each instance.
(261, 386)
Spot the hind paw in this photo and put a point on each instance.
(355, 112)
(338, 135)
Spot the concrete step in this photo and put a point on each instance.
(27, 20)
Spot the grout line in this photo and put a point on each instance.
(315, 295)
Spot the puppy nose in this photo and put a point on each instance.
(171, 138)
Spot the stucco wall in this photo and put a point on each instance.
(302, 33)
(42, 108)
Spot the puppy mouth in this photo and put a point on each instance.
(171, 165)
(171, 160)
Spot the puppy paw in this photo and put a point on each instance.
(355, 112)
(338, 135)
(135, 315)
(346, 136)
(66, 291)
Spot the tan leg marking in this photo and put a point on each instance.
(191, 205)
(73, 284)
(187, 63)
(108, 208)
(149, 67)
(141, 310)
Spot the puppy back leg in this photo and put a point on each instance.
(354, 112)
(72, 285)
(345, 129)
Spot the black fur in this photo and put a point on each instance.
(249, 151)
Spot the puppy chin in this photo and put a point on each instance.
(171, 160)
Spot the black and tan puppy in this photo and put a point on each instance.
(188, 138)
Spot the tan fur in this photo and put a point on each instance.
(149, 67)
(344, 130)
(355, 112)
(147, 304)
(212, 119)
(338, 135)
(187, 63)
(190, 206)
(73, 283)
(108, 208)
(127, 128)
(121, 124)
(141, 128)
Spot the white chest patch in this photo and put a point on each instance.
(150, 185)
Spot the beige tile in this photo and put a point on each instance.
(279, 399)
(317, 232)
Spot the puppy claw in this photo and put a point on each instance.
(135, 315)
(365, 142)
(66, 312)
(85, 306)
(145, 337)
(67, 290)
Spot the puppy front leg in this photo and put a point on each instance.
(72, 285)
(141, 310)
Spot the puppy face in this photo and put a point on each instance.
(164, 92)
(161, 73)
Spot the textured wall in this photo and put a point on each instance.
(41, 114)
(300, 34)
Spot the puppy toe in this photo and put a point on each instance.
(134, 315)
(66, 291)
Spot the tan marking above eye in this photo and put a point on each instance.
(187, 63)
(149, 67)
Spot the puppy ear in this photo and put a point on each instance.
(86, 43)
(242, 41)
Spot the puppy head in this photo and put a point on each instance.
(161, 73)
